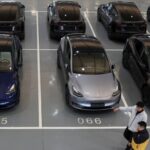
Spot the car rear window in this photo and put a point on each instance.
(129, 12)
(8, 12)
(5, 61)
(90, 63)
(68, 12)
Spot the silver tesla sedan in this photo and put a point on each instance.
(90, 83)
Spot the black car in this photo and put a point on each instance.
(10, 61)
(90, 83)
(12, 18)
(136, 58)
(121, 19)
(65, 17)
(148, 14)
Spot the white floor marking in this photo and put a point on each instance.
(24, 49)
(39, 74)
(54, 49)
(66, 128)
(86, 17)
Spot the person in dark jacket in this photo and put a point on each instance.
(140, 139)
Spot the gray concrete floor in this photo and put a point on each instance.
(42, 121)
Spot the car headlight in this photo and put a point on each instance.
(116, 91)
(61, 27)
(109, 104)
(76, 92)
(12, 89)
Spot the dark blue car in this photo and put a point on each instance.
(10, 61)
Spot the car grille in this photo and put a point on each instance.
(133, 27)
(6, 27)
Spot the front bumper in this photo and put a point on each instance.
(18, 33)
(9, 101)
(81, 103)
(60, 33)
(126, 34)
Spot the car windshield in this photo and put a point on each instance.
(90, 63)
(68, 12)
(129, 12)
(5, 62)
(8, 12)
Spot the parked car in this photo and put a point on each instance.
(10, 61)
(90, 83)
(136, 58)
(65, 17)
(12, 18)
(121, 19)
(148, 14)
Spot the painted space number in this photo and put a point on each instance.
(3, 120)
(89, 121)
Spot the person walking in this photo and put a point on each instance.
(137, 114)
(140, 139)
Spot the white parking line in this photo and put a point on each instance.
(39, 73)
(29, 49)
(85, 14)
(54, 49)
(66, 128)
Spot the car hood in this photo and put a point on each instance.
(95, 86)
(6, 81)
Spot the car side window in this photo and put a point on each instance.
(128, 47)
(144, 59)
(139, 47)
(113, 12)
(67, 52)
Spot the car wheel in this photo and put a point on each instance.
(22, 36)
(51, 33)
(67, 95)
(146, 95)
(125, 59)
(58, 62)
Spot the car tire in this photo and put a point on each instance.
(145, 94)
(22, 36)
(67, 95)
(51, 33)
(125, 59)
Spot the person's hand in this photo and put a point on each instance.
(116, 109)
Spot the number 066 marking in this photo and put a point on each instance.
(89, 121)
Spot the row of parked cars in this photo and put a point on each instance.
(89, 79)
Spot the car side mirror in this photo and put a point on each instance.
(50, 5)
(22, 6)
(112, 67)
(67, 67)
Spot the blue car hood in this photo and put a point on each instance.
(6, 81)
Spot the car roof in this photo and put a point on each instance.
(6, 42)
(9, 11)
(128, 11)
(67, 3)
(68, 10)
(85, 43)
